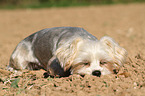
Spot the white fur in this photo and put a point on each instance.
(93, 52)
(22, 55)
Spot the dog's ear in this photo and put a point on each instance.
(118, 53)
(67, 52)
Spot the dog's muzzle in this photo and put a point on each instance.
(96, 73)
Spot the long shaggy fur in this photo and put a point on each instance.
(68, 50)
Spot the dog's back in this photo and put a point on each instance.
(35, 51)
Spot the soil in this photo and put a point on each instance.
(124, 23)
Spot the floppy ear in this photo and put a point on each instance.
(118, 53)
(67, 52)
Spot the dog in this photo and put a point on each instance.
(63, 51)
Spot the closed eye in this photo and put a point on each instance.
(86, 63)
(82, 64)
(103, 62)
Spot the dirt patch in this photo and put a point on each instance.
(124, 23)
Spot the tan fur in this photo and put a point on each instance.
(66, 54)
(118, 53)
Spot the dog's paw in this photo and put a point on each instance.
(46, 74)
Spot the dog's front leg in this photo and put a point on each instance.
(53, 68)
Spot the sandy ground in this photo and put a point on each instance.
(124, 23)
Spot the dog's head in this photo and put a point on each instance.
(92, 57)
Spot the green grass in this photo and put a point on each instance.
(65, 3)
(46, 5)
(14, 83)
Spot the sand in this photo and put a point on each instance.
(124, 23)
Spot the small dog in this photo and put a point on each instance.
(62, 51)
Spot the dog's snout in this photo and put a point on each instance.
(96, 73)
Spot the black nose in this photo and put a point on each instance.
(96, 73)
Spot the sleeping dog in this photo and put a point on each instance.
(62, 51)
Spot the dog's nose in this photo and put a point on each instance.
(96, 73)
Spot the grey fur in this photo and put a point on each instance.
(45, 42)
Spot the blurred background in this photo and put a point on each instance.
(10, 4)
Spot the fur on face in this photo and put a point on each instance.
(91, 57)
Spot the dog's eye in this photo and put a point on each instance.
(103, 62)
(86, 63)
